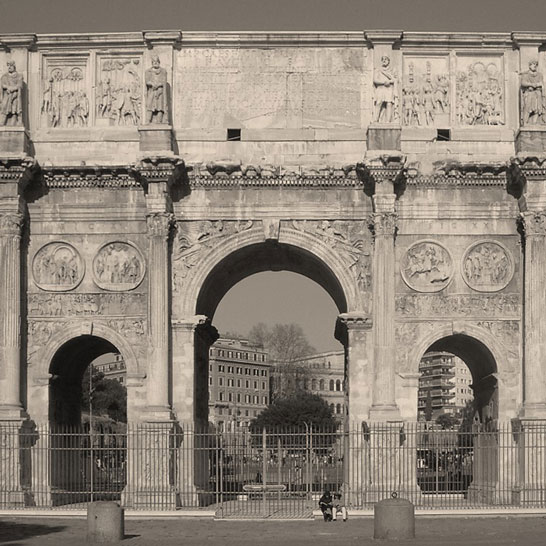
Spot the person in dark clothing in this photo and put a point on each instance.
(326, 504)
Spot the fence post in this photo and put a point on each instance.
(264, 470)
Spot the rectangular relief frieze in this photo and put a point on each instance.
(56, 305)
(65, 102)
(118, 97)
(426, 94)
(480, 90)
(458, 305)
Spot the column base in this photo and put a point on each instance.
(533, 412)
(12, 413)
(150, 499)
(158, 414)
(385, 413)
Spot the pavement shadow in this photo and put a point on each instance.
(11, 531)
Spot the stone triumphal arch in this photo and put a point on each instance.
(144, 174)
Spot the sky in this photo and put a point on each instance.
(44, 16)
(273, 297)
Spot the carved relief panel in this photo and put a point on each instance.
(426, 93)
(480, 91)
(118, 266)
(65, 102)
(193, 238)
(350, 239)
(118, 96)
(58, 267)
(487, 266)
(427, 266)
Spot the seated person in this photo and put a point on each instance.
(326, 505)
(339, 506)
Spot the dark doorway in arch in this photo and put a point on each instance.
(457, 447)
(67, 370)
(482, 368)
(87, 459)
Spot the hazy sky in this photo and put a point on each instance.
(111, 15)
(273, 297)
(283, 297)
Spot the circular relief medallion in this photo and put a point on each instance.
(427, 267)
(118, 266)
(487, 266)
(57, 267)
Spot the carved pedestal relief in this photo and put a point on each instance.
(57, 267)
(64, 93)
(118, 266)
(426, 92)
(487, 266)
(427, 266)
(119, 91)
(480, 91)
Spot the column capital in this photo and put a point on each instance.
(190, 323)
(382, 169)
(14, 41)
(199, 324)
(383, 37)
(534, 223)
(161, 37)
(353, 321)
(170, 170)
(159, 224)
(11, 224)
(384, 224)
(17, 170)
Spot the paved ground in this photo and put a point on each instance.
(525, 531)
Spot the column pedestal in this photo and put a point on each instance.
(532, 462)
(15, 463)
(151, 464)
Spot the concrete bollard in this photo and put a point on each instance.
(105, 522)
(394, 519)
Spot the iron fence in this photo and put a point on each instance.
(273, 472)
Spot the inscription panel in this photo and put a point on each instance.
(259, 89)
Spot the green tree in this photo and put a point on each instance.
(107, 396)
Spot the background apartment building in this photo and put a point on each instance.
(239, 374)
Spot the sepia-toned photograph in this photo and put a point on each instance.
(272, 272)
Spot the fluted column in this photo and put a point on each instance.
(159, 227)
(10, 310)
(384, 225)
(534, 371)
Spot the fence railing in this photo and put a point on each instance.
(273, 471)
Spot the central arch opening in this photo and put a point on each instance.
(259, 297)
(238, 280)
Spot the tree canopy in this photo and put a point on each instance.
(284, 342)
(294, 411)
(108, 396)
